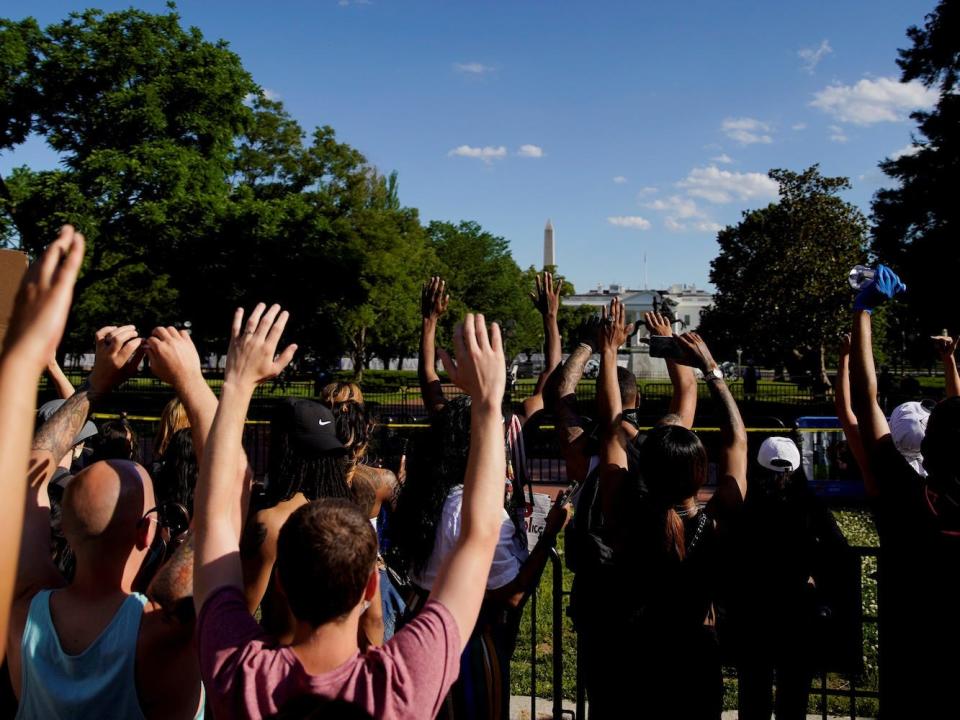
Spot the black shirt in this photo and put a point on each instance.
(919, 594)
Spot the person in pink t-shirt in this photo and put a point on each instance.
(326, 560)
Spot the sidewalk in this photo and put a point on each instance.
(520, 710)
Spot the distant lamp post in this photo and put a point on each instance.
(739, 358)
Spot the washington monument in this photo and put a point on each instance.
(549, 248)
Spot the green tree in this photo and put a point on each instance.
(782, 293)
(197, 193)
(917, 220)
(483, 277)
(143, 114)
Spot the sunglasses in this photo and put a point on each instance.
(170, 515)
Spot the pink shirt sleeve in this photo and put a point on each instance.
(421, 662)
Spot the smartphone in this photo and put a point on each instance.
(662, 346)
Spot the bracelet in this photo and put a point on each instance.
(588, 347)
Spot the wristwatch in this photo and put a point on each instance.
(715, 374)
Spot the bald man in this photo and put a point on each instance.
(94, 647)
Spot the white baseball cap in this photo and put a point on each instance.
(908, 425)
(779, 454)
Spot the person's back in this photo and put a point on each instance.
(919, 588)
(326, 560)
(50, 666)
(94, 648)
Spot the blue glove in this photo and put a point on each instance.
(884, 286)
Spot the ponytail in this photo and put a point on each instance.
(674, 537)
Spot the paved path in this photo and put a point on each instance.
(520, 710)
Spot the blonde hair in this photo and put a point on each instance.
(173, 418)
(354, 427)
(341, 392)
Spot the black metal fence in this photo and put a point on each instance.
(399, 399)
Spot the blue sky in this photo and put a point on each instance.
(638, 127)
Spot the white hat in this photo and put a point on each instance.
(908, 425)
(779, 454)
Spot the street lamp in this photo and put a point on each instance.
(739, 357)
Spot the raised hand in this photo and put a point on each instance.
(696, 353)
(450, 367)
(613, 329)
(588, 331)
(481, 369)
(546, 298)
(945, 345)
(118, 355)
(657, 324)
(173, 356)
(559, 515)
(434, 299)
(43, 301)
(845, 345)
(252, 357)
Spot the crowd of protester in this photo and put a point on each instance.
(335, 587)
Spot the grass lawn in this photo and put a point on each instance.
(859, 530)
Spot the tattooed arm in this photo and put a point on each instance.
(381, 484)
(172, 587)
(570, 426)
(732, 485)
(117, 356)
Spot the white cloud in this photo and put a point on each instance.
(619, 179)
(345, 3)
(746, 131)
(648, 190)
(473, 68)
(812, 56)
(681, 213)
(488, 153)
(530, 151)
(906, 151)
(723, 186)
(722, 158)
(837, 134)
(677, 206)
(629, 221)
(271, 94)
(799, 126)
(871, 101)
(708, 226)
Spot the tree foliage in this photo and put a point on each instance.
(917, 219)
(782, 293)
(198, 193)
(482, 276)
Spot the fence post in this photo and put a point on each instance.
(533, 655)
(557, 634)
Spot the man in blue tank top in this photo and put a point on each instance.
(94, 647)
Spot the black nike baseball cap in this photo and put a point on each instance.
(310, 425)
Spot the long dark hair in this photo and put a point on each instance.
(289, 472)
(352, 421)
(437, 462)
(941, 459)
(179, 470)
(672, 468)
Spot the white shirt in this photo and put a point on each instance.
(507, 558)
